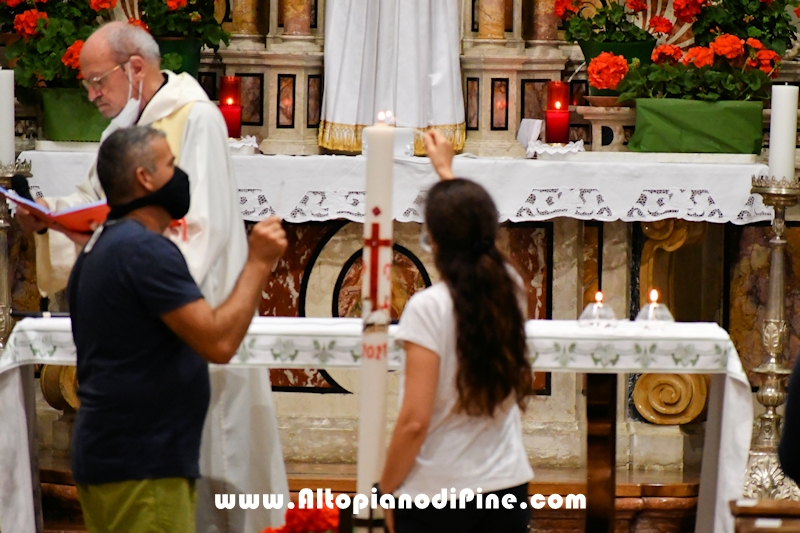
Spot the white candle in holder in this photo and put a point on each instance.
(783, 131)
(6, 116)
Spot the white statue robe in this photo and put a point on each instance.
(396, 55)
(240, 450)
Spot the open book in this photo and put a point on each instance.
(81, 219)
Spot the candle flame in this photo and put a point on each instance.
(381, 116)
(558, 105)
(598, 297)
(388, 114)
(653, 296)
(230, 101)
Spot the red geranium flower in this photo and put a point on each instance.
(699, 56)
(667, 53)
(99, 5)
(308, 521)
(174, 5)
(727, 45)
(71, 57)
(566, 8)
(768, 62)
(12, 3)
(797, 12)
(685, 10)
(607, 70)
(139, 23)
(636, 5)
(660, 25)
(25, 23)
(755, 44)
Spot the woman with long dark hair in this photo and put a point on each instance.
(466, 375)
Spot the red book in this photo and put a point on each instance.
(81, 219)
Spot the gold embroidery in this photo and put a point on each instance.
(347, 137)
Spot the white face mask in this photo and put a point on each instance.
(129, 114)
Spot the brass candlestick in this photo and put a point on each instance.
(764, 478)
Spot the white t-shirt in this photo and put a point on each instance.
(460, 451)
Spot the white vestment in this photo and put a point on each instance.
(396, 55)
(240, 450)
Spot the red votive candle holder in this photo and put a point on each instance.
(557, 95)
(556, 126)
(233, 119)
(230, 90)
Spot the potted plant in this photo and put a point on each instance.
(708, 99)
(613, 27)
(183, 27)
(46, 68)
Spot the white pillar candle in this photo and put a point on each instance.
(6, 116)
(376, 308)
(783, 131)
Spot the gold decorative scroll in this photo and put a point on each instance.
(348, 137)
(670, 399)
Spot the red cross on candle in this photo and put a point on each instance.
(375, 243)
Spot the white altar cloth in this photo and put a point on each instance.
(319, 188)
(556, 346)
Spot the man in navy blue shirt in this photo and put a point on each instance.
(144, 335)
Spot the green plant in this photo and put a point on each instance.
(52, 35)
(611, 22)
(767, 21)
(729, 69)
(193, 19)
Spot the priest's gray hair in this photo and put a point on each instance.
(126, 40)
(120, 155)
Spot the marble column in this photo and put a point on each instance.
(491, 19)
(296, 17)
(245, 17)
(545, 21)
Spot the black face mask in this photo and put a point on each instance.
(173, 196)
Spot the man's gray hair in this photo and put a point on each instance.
(120, 155)
(126, 40)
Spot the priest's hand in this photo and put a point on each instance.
(28, 222)
(441, 152)
(267, 242)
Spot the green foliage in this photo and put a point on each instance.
(611, 23)
(195, 21)
(768, 22)
(171, 61)
(37, 60)
(709, 84)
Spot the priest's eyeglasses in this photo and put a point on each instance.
(96, 82)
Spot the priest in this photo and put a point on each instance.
(240, 450)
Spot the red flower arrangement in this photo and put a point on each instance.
(699, 56)
(667, 53)
(99, 5)
(755, 44)
(71, 57)
(687, 10)
(12, 3)
(563, 7)
(660, 25)
(607, 70)
(174, 5)
(323, 520)
(728, 46)
(25, 23)
(636, 5)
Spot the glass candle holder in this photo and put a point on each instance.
(597, 314)
(233, 119)
(557, 95)
(654, 312)
(230, 90)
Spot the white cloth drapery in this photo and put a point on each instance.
(396, 55)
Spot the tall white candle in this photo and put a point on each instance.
(376, 308)
(783, 131)
(6, 116)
